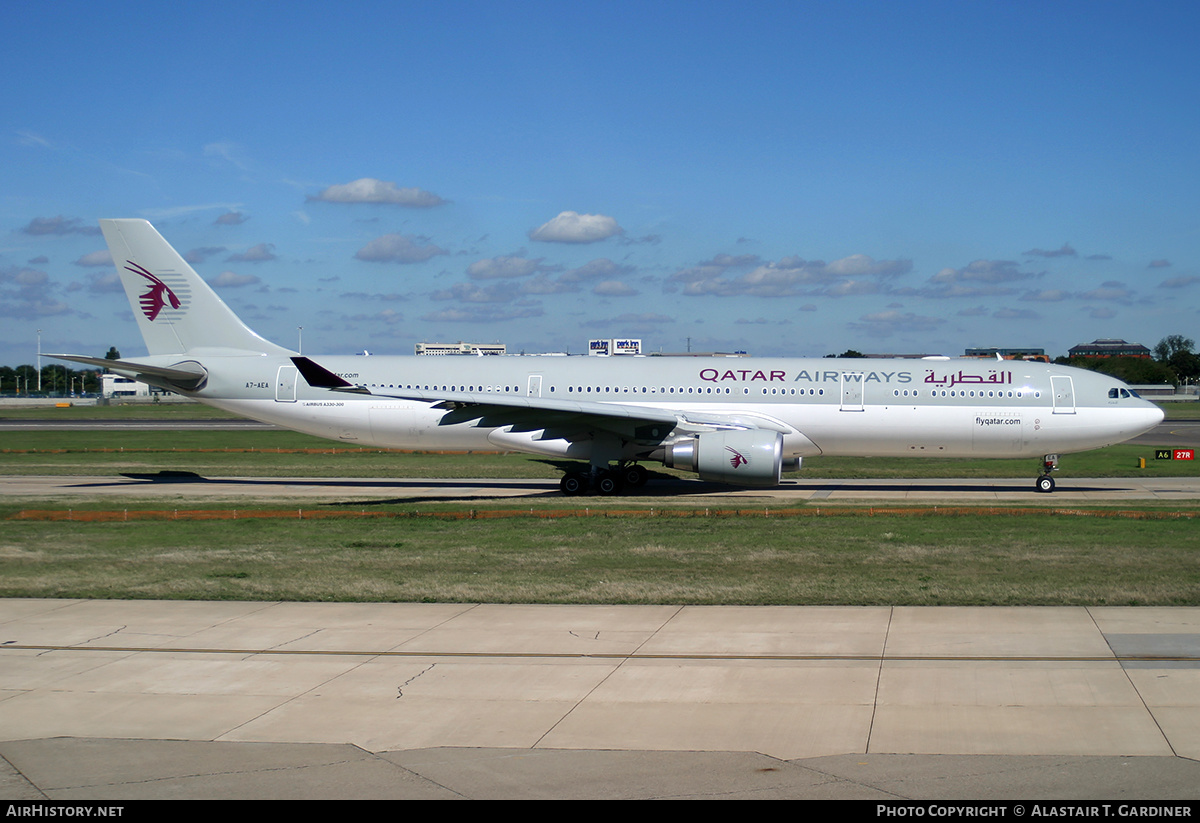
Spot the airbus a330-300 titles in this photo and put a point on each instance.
(742, 422)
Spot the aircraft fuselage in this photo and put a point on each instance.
(846, 407)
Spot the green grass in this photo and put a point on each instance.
(860, 560)
(129, 411)
(1182, 410)
(241, 454)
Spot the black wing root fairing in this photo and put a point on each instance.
(320, 377)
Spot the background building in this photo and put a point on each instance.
(614, 345)
(1109, 347)
(438, 349)
(1008, 354)
(114, 385)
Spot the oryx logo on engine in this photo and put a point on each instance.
(738, 458)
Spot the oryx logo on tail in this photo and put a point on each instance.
(159, 295)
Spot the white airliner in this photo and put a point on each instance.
(740, 421)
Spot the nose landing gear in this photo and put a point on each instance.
(1045, 483)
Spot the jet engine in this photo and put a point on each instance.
(752, 457)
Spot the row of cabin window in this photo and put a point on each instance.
(613, 390)
(690, 390)
(721, 390)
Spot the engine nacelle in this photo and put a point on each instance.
(752, 457)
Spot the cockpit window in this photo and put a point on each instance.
(1115, 393)
(1112, 393)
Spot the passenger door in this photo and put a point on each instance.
(1064, 394)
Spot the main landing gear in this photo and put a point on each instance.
(1045, 483)
(605, 482)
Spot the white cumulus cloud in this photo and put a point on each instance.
(396, 248)
(572, 227)
(233, 280)
(513, 265)
(613, 288)
(370, 190)
(95, 258)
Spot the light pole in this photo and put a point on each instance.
(299, 340)
(39, 359)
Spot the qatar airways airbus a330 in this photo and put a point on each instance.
(741, 422)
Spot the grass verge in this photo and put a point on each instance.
(858, 558)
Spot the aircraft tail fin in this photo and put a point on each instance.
(176, 311)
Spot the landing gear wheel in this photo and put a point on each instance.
(635, 476)
(1045, 483)
(573, 484)
(608, 484)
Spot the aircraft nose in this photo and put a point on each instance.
(1153, 416)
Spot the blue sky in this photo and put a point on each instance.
(781, 178)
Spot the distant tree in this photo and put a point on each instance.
(1137, 370)
(113, 354)
(1172, 345)
(28, 377)
(56, 378)
(1186, 365)
(1178, 353)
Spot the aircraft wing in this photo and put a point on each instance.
(559, 417)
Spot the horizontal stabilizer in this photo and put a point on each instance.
(188, 375)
